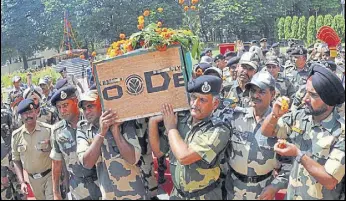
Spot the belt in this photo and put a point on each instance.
(39, 175)
(253, 179)
(89, 179)
(199, 192)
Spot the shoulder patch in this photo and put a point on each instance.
(18, 130)
(45, 125)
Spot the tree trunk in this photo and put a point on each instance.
(25, 61)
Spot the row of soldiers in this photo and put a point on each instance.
(225, 147)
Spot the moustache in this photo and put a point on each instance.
(195, 108)
(29, 118)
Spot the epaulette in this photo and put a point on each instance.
(82, 123)
(45, 125)
(18, 130)
(58, 125)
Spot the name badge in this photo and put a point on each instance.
(295, 129)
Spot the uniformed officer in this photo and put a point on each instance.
(6, 135)
(195, 143)
(30, 151)
(46, 112)
(283, 86)
(200, 68)
(275, 51)
(251, 156)
(318, 138)
(113, 147)
(47, 93)
(247, 67)
(7, 192)
(6, 124)
(82, 182)
(220, 61)
(299, 73)
(230, 73)
(14, 97)
(70, 79)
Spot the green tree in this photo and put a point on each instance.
(302, 28)
(288, 24)
(294, 27)
(319, 22)
(22, 27)
(311, 31)
(328, 20)
(339, 26)
(281, 28)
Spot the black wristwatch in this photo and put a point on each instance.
(300, 156)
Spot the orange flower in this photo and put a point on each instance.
(93, 54)
(160, 10)
(186, 8)
(146, 13)
(122, 36)
(194, 1)
(175, 43)
(164, 29)
(140, 26)
(159, 24)
(142, 43)
(193, 7)
(82, 56)
(161, 48)
(181, 2)
(158, 30)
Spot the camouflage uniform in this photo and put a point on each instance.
(83, 182)
(325, 143)
(146, 162)
(6, 135)
(242, 98)
(296, 77)
(6, 125)
(252, 155)
(13, 95)
(6, 191)
(118, 179)
(200, 180)
(284, 87)
(47, 114)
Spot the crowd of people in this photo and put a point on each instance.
(260, 121)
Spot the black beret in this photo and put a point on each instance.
(219, 57)
(26, 105)
(61, 83)
(231, 54)
(208, 50)
(62, 69)
(328, 86)
(299, 51)
(330, 64)
(275, 45)
(206, 84)
(63, 94)
(263, 40)
(203, 66)
(234, 60)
